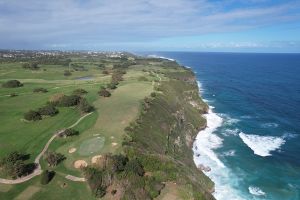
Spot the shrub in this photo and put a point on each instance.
(14, 165)
(84, 106)
(46, 177)
(67, 101)
(153, 94)
(105, 72)
(49, 110)
(32, 66)
(53, 158)
(42, 90)
(68, 132)
(13, 95)
(32, 116)
(118, 163)
(105, 93)
(112, 86)
(134, 167)
(12, 84)
(79, 92)
(67, 73)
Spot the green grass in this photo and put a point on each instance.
(107, 122)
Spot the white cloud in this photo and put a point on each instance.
(102, 21)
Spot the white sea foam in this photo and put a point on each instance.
(162, 57)
(256, 191)
(229, 153)
(205, 144)
(270, 125)
(289, 136)
(262, 145)
(229, 120)
(200, 87)
(230, 132)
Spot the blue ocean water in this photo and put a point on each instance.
(253, 141)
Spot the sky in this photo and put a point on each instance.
(151, 25)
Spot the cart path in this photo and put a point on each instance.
(38, 170)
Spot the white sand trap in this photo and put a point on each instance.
(96, 159)
(80, 164)
(112, 137)
(114, 144)
(72, 150)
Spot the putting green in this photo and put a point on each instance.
(91, 145)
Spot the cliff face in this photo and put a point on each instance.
(162, 137)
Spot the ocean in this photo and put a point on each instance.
(252, 142)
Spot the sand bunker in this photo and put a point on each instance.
(80, 164)
(114, 144)
(72, 150)
(96, 159)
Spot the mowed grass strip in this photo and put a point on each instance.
(114, 114)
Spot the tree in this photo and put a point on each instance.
(68, 132)
(104, 93)
(46, 177)
(14, 165)
(118, 162)
(67, 101)
(112, 86)
(32, 66)
(134, 167)
(84, 106)
(53, 158)
(67, 73)
(42, 90)
(12, 84)
(49, 110)
(79, 92)
(32, 115)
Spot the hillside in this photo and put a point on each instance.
(124, 127)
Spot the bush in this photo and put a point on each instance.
(79, 92)
(53, 158)
(32, 116)
(68, 132)
(67, 101)
(118, 163)
(67, 73)
(134, 167)
(105, 72)
(12, 84)
(46, 177)
(32, 66)
(153, 94)
(14, 165)
(84, 106)
(49, 110)
(13, 95)
(42, 90)
(112, 86)
(104, 93)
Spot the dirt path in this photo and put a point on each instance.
(38, 170)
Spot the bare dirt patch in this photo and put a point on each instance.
(114, 144)
(80, 164)
(96, 159)
(72, 150)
